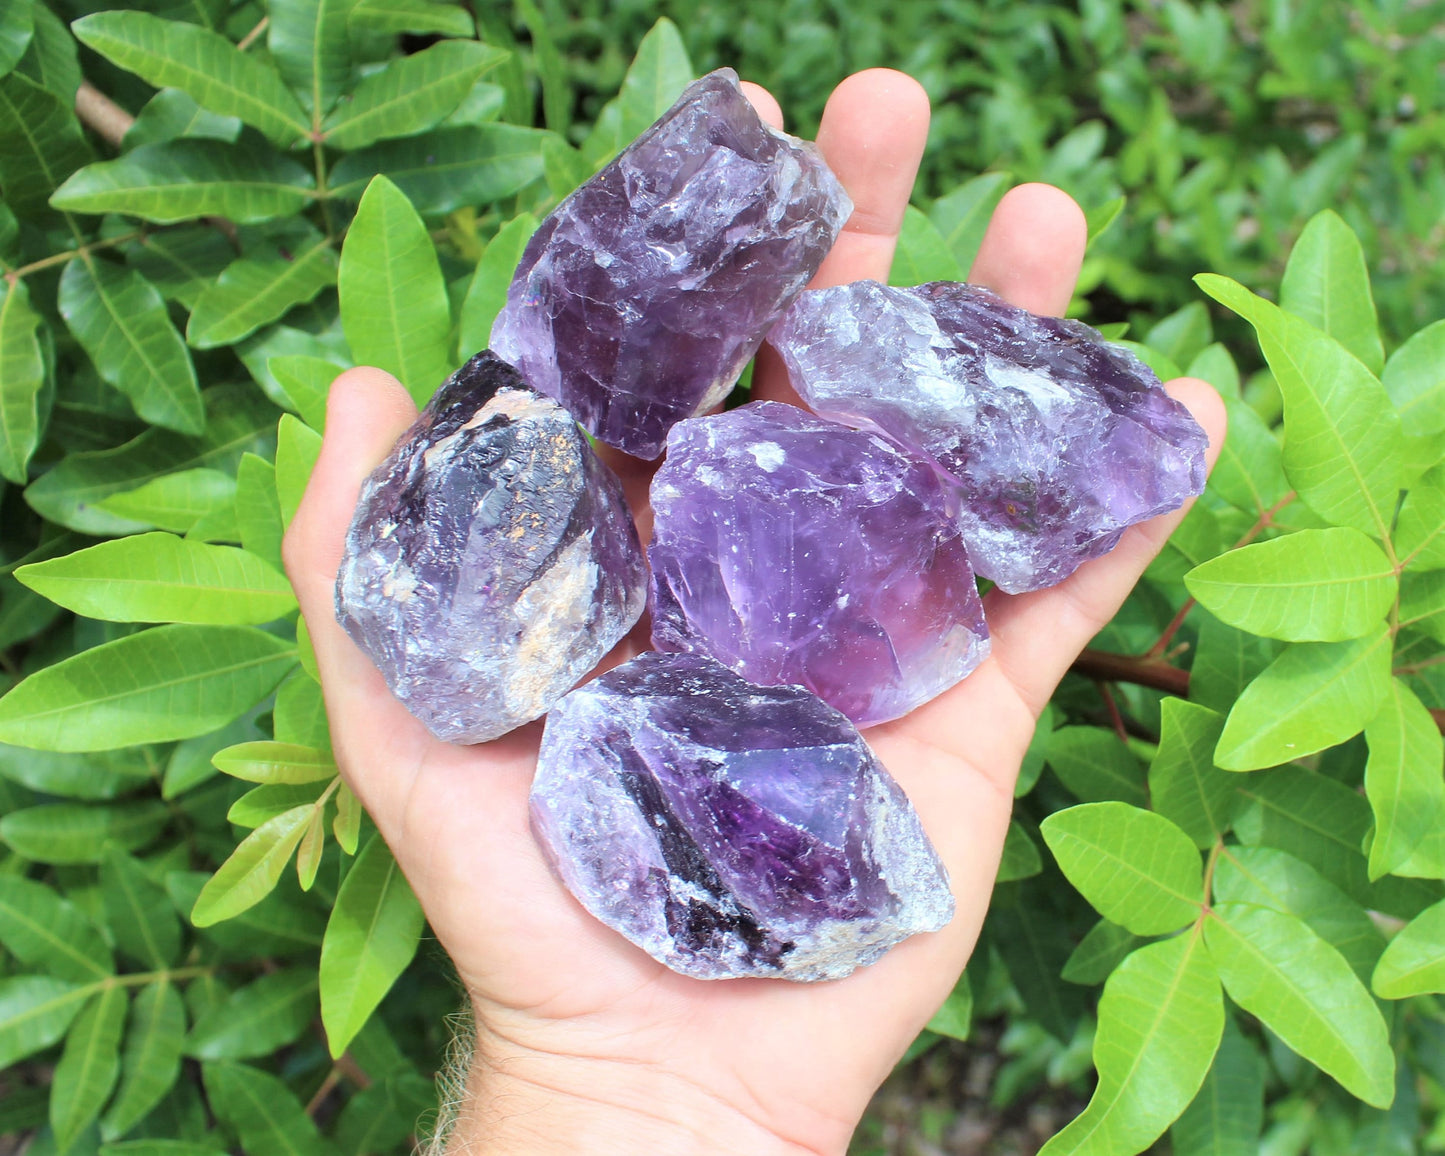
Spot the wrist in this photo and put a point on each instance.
(519, 1102)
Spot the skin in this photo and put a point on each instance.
(584, 1043)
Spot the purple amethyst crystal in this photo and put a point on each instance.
(1060, 439)
(728, 829)
(796, 550)
(492, 560)
(641, 298)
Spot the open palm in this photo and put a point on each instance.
(584, 1043)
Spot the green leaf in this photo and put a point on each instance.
(22, 375)
(1249, 474)
(138, 912)
(449, 168)
(121, 322)
(1100, 217)
(151, 1059)
(955, 1015)
(1313, 818)
(253, 869)
(78, 832)
(372, 935)
(556, 92)
(180, 262)
(1160, 1021)
(1136, 868)
(17, 26)
(383, 1117)
(169, 682)
(40, 144)
(297, 448)
(1276, 968)
(262, 1111)
(88, 1067)
(51, 59)
(1414, 962)
(393, 299)
(488, 291)
(1099, 953)
(1184, 784)
(44, 931)
(1314, 695)
(1342, 435)
(256, 1019)
(183, 179)
(261, 804)
(171, 115)
(1326, 283)
(962, 215)
(1215, 364)
(190, 763)
(1021, 857)
(159, 1148)
(922, 254)
(271, 928)
(1183, 335)
(415, 16)
(655, 79)
(1402, 778)
(162, 578)
(347, 824)
(35, 1010)
(411, 94)
(180, 501)
(307, 382)
(1310, 586)
(1095, 765)
(203, 63)
(1227, 1116)
(1414, 378)
(309, 43)
(1420, 530)
(273, 762)
(253, 292)
(308, 851)
(1270, 878)
(258, 511)
(1226, 660)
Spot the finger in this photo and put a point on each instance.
(1033, 248)
(872, 136)
(367, 411)
(763, 104)
(1036, 636)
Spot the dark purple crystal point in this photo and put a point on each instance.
(796, 550)
(492, 560)
(728, 829)
(1060, 439)
(642, 297)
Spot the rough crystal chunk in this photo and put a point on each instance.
(796, 550)
(642, 297)
(492, 560)
(1060, 439)
(728, 829)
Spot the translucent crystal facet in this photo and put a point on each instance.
(796, 550)
(728, 829)
(1060, 439)
(642, 297)
(492, 560)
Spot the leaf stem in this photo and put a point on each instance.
(80, 251)
(251, 37)
(1141, 670)
(102, 115)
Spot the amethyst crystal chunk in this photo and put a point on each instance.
(728, 829)
(492, 560)
(642, 297)
(796, 550)
(1060, 439)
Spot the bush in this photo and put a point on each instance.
(1243, 779)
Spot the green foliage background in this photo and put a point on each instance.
(205, 943)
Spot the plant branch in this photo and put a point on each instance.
(251, 37)
(69, 254)
(102, 115)
(1144, 671)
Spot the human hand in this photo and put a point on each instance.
(583, 1042)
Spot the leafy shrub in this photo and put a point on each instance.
(185, 878)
